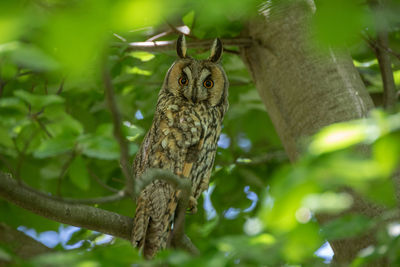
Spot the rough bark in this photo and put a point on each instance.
(305, 88)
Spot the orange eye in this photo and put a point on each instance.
(208, 84)
(183, 81)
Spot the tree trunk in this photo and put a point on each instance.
(305, 88)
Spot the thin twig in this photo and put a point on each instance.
(61, 86)
(279, 155)
(170, 45)
(186, 244)
(101, 183)
(43, 127)
(64, 171)
(118, 135)
(231, 51)
(374, 45)
(96, 200)
(2, 85)
(24, 73)
(158, 36)
(389, 87)
(119, 195)
(22, 154)
(119, 37)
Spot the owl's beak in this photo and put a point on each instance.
(194, 95)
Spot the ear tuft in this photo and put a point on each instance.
(216, 51)
(181, 47)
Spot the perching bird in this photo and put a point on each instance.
(182, 139)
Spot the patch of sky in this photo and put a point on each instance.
(325, 252)
(224, 141)
(207, 204)
(251, 196)
(139, 115)
(232, 213)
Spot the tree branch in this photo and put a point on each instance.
(380, 47)
(74, 214)
(158, 46)
(70, 211)
(389, 87)
(116, 118)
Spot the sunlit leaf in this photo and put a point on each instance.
(386, 152)
(341, 135)
(328, 202)
(188, 19)
(136, 70)
(142, 55)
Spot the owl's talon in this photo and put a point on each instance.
(192, 205)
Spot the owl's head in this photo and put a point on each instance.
(198, 81)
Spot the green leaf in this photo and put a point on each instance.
(101, 147)
(5, 139)
(188, 19)
(340, 22)
(62, 124)
(55, 146)
(339, 136)
(32, 57)
(328, 202)
(302, 242)
(347, 226)
(38, 101)
(78, 173)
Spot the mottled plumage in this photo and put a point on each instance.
(183, 139)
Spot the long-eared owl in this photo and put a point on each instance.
(182, 139)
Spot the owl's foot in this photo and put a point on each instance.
(192, 205)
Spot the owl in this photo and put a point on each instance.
(182, 139)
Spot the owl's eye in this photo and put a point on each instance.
(183, 81)
(208, 83)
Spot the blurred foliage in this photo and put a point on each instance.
(56, 132)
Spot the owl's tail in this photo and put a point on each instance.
(152, 223)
